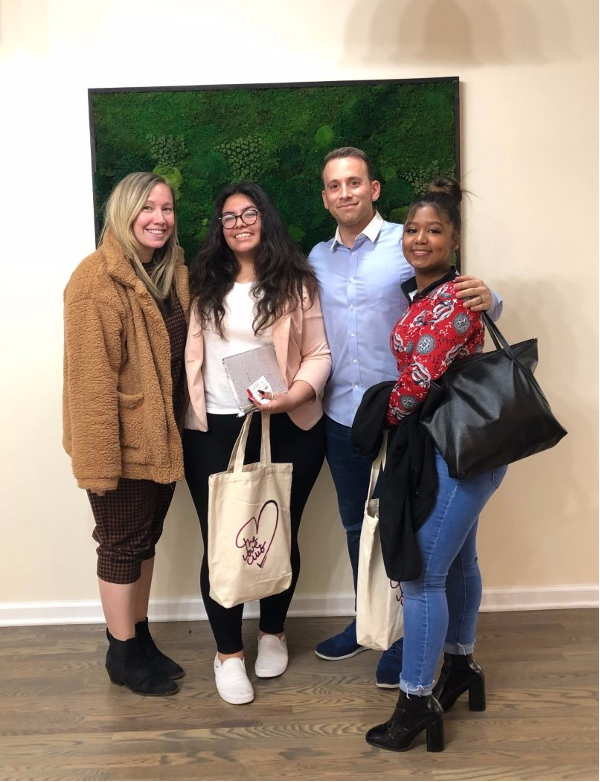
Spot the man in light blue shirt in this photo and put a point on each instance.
(360, 272)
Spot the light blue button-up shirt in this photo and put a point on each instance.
(361, 301)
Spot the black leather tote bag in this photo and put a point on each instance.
(488, 410)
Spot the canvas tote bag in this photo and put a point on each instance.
(379, 620)
(249, 531)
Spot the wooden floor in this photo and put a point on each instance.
(61, 719)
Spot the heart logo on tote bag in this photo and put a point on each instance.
(256, 536)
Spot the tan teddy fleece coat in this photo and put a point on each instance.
(118, 418)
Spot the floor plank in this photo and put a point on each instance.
(61, 719)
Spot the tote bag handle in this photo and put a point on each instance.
(377, 466)
(236, 460)
(501, 344)
(497, 336)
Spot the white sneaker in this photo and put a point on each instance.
(233, 684)
(272, 659)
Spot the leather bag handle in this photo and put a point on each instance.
(501, 344)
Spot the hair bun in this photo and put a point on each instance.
(448, 186)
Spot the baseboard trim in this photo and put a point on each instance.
(540, 598)
(342, 604)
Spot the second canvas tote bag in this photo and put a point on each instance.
(379, 617)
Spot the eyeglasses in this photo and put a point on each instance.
(248, 217)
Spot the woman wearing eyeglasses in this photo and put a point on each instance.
(251, 286)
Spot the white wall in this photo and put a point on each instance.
(529, 149)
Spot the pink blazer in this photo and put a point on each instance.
(302, 353)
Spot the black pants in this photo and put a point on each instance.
(208, 452)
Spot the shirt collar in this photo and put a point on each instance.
(371, 231)
(409, 288)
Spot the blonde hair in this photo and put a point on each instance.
(122, 208)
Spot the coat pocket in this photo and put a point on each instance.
(131, 420)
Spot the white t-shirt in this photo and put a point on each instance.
(239, 337)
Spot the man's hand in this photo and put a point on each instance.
(474, 292)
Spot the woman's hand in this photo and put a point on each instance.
(299, 392)
(277, 403)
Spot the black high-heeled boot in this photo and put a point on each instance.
(412, 715)
(153, 654)
(126, 665)
(460, 673)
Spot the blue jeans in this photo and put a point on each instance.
(350, 472)
(441, 607)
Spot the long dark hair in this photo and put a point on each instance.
(283, 275)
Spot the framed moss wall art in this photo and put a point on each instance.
(202, 138)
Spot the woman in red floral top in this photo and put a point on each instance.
(434, 331)
(441, 605)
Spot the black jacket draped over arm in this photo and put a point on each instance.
(409, 484)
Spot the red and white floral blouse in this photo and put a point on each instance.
(435, 330)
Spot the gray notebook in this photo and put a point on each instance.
(247, 368)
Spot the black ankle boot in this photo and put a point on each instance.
(150, 651)
(126, 665)
(413, 714)
(460, 673)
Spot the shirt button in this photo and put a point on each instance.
(354, 252)
(351, 279)
(354, 361)
(352, 306)
(356, 385)
(352, 334)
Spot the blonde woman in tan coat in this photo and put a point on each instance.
(126, 312)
